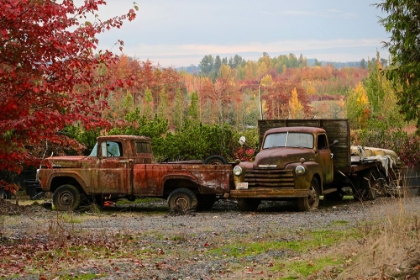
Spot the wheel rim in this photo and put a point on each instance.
(182, 202)
(66, 199)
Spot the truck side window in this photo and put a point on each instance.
(143, 148)
(111, 149)
(322, 141)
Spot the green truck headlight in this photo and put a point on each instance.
(237, 170)
(300, 170)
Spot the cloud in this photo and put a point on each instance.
(328, 13)
(183, 55)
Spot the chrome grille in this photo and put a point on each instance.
(269, 178)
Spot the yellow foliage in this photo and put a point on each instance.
(295, 106)
(225, 70)
(358, 107)
(311, 90)
(267, 80)
(262, 69)
(361, 95)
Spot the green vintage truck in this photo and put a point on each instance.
(302, 159)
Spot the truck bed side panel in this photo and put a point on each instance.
(151, 179)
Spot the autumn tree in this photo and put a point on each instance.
(49, 73)
(358, 107)
(295, 107)
(402, 22)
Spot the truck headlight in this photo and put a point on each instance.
(300, 170)
(37, 175)
(237, 170)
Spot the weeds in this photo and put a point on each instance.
(383, 247)
(386, 248)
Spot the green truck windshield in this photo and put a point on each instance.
(289, 139)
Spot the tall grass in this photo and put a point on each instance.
(389, 247)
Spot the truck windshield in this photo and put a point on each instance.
(94, 152)
(109, 149)
(289, 139)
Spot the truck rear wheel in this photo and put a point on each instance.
(66, 198)
(248, 204)
(311, 202)
(182, 201)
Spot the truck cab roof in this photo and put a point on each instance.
(313, 130)
(124, 137)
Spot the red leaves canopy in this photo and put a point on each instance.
(50, 76)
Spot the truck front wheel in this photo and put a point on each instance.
(311, 202)
(182, 201)
(66, 197)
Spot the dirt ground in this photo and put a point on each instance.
(145, 241)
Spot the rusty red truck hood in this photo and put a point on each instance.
(63, 162)
(280, 157)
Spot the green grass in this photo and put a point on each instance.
(339, 222)
(70, 218)
(139, 200)
(298, 269)
(304, 241)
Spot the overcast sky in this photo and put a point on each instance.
(181, 32)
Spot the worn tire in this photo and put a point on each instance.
(310, 202)
(206, 202)
(182, 201)
(66, 198)
(248, 204)
(215, 160)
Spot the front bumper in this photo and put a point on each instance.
(269, 193)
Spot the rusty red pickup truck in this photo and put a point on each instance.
(123, 166)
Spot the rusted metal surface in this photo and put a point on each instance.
(269, 178)
(272, 175)
(269, 193)
(336, 129)
(121, 165)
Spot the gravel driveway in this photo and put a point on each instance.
(180, 246)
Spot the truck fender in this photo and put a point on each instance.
(184, 177)
(72, 175)
(312, 169)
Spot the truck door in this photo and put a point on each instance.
(324, 158)
(112, 169)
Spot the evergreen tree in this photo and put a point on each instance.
(206, 64)
(193, 111)
(178, 110)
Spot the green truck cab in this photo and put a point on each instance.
(301, 160)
